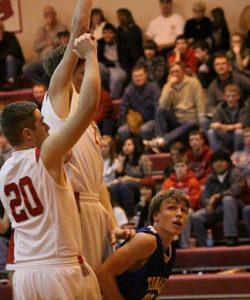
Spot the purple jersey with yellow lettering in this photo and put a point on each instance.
(147, 282)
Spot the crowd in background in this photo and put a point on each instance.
(184, 88)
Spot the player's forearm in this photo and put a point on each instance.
(109, 286)
(81, 20)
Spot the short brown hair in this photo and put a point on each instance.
(160, 197)
(232, 88)
(15, 117)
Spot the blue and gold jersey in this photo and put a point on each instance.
(147, 282)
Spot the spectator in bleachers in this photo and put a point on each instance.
(63, 37)
(97, 22)
(165, 28)
(205, 72)
(11, 58)
(129, 37)
(241, 159)
(147, 192)
(225, 76)
(228, 120)
(199, 156)
(239, 54)
(154, 63)
(199, 27)
(184, 179)
(138, 105)
(45, 41)
(38, 91)
(103, 117)
(5, 149)
(246, 217)
(181, 108)
(220, 31)
(5, 152)
(176, 149)
(109, 159)
(112, 69)
(184, 54)
(244, 23)
(131, 168)
(221, 199)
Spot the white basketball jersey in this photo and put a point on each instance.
(43, 213)
(85, 167)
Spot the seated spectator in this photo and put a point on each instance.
(205, 72)
(154, 64)
(199, 156)
(200, 27)
(97, 22)
(227, 122)
(11, 58)
(225, 76)
(138, 105)
(147, 192)
(109, 160)
(182, 53)
(39, 91)
(112, 70)
(164, 29)
(184, 179)
(220, 31)
(5, 231)
(176, 114)
(132, 166)
(5, 149)
(46, 40)
(63, 37)
(176, 150)
(129, 37)
(220, 200)
(120, 215)
(239, 54)
(103, 117)
(246, 217)
(139, 269)
(244, 24)
(241, 159)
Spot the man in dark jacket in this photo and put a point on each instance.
(11, 57)
(220, 199)
(112, 67)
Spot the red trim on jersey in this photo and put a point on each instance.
(80, 259)
(38, 151)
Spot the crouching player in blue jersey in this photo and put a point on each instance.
(139, 269)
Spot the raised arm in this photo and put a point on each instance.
(59, 89)
(59, 143)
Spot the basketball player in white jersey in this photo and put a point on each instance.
(38, 197)
(85, 167)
